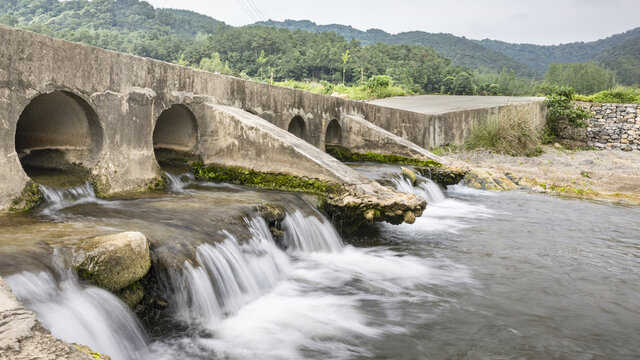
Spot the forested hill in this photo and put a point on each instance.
(538, 57)
(460, 50)
(625, 59)
(525, 59)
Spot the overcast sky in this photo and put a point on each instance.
(538, 22)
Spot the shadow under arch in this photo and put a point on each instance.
(175, 137)
(58, 139)
(333, 134)
(297, 127)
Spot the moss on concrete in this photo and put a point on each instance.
(30, 197)
(344, 154)
(159, 183)
(241, 176)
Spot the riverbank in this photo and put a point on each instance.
(610, 175)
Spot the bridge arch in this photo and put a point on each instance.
(298, 127)
(333, 134)
(175, 135)
(58, 131)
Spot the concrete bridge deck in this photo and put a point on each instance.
(441, 104)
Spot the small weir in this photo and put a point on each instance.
(234, 291)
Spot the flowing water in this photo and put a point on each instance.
(480, 275)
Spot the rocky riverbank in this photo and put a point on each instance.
(607, 175)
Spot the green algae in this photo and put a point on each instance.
(344, 154)
(30, 197)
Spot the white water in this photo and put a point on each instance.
(306, 234)
(229, 275)
(177, 183)
(259, 302)
(254, 300)
(81, 314)
(58, 199)
(425, 188)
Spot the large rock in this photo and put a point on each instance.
(23, 337)
(113, 262)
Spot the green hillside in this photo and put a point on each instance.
(624, 60)
(460, 50)
(538, 57)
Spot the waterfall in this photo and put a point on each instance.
(305, 234)
(425, 188)
(81, 314)
(177, 183)
(57, 199)
(228, 275)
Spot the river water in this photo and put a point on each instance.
(481, 275)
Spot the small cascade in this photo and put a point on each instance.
(177, 183)
(305, 234)
(56, 199)
(425, 188)
(228, 276)
(81, 314)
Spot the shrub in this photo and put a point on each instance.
(618, 95)
(561, 109)
(511, 132)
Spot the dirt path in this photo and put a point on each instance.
(606, 174)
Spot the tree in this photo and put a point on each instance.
(345, 59)
(463, 84)
(584, 78)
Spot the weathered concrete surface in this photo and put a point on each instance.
(441, 104)
(365, 137)
(114, 261)
(23, 337)
(262, 146)
(442, 125)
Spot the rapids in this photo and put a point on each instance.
(479, 275)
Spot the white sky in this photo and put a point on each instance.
(537, 22)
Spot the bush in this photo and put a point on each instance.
(512, 132)
(560, 106)
(618, 95)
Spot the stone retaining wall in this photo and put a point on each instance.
(613, 126)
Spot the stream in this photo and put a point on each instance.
(481, 275)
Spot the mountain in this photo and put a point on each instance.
(460, 50)
(624, 59)
(538, 57)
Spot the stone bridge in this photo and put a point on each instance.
(78, 108)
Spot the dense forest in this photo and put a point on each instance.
(527, 60)
(305, 52)
(460, 50)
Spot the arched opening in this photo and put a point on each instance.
(297, 127)
(175, 137)
(333, 135)
(58, 139)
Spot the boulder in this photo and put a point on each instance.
(113, 262)
(409, 174)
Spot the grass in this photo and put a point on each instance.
(350, 92)
(510, 132)
(617, 95)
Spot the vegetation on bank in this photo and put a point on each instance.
(376, 87)
(617, 95)
(510, 132)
